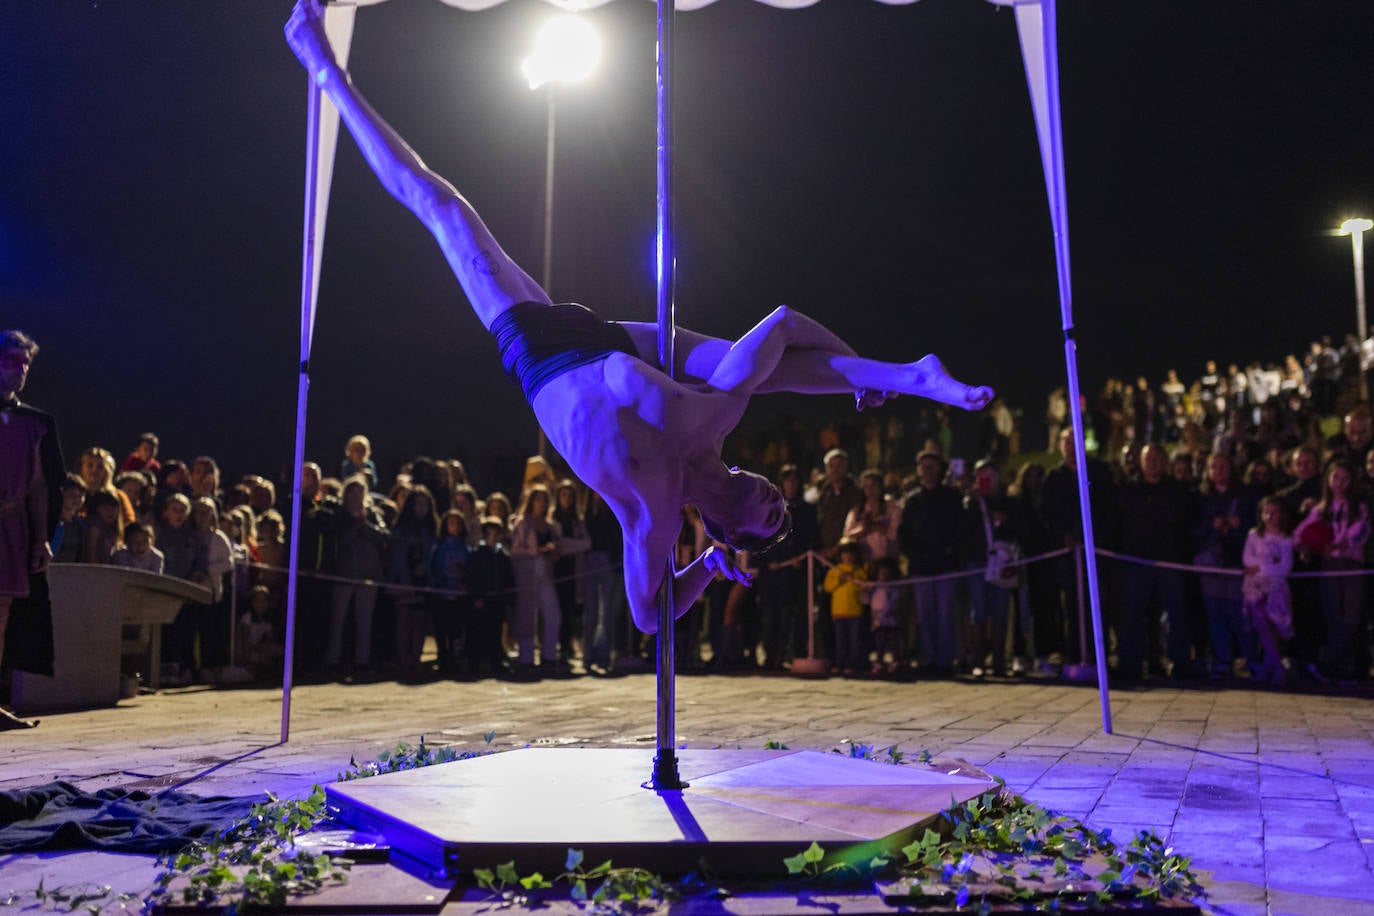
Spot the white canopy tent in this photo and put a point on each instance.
(1036, 27)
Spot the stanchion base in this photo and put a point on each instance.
(665, 777)
(811, 667)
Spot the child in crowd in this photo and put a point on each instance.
(272, 551)
(183, 550)
(358, 460)
(69, 541)
(144, 456)
(137, 486)
(846, 606)
(1268, 559)
(491, 580)
(449, 561)
(105, 526)
(138, 551)
(259, 649)
(887, 625)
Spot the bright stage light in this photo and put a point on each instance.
(1351, 226)
(566, 49)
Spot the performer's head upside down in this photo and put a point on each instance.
(649, 444)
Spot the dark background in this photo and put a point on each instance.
(874, 166)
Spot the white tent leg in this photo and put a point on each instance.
(1035, 23)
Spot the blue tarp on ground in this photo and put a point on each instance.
(61, 816)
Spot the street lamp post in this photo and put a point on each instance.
(1356, 228)
(566, 49)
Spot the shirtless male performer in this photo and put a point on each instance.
(647, 443)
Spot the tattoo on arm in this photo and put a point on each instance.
(484, 263)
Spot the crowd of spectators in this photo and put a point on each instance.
(1229, 476)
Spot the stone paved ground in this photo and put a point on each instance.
(1273, 793)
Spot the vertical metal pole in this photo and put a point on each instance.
(665, 775)
(546, 280)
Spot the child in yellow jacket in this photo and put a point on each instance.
(846, 606)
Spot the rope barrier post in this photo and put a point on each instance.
(810, 604)
(665, 774)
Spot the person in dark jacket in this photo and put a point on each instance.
(491, 583)
(1063, 520)
(1226, 512)
(988, 516)
(782, 578)
(1156, 519)
(928, 536)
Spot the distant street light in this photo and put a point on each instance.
(1356, 228)
(566, 49)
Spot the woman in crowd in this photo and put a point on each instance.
(211, 623)
(1336, 529)
(359, 540)
(873, 523)
(413, 537)
(534, 547)
(573, 545)
(448, 568)
(465, 503)
(97, 473)
(104, 526)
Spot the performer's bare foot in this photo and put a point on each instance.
(929, 379)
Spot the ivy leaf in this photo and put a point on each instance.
(490, 736)
(795, 864)
(579, 891)
(506, 874)
(813, 853)
(574, 859)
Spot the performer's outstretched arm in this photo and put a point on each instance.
(492, 281)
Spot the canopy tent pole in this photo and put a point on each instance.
(1036, 25)
(321, 140)
(665, 775)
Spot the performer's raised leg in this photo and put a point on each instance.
(492, 281)
(789, 351)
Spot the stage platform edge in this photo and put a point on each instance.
(742, 812)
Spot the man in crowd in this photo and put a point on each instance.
(1064, 522)
(31, 475)
(1156, 524)
(839, 494)
(928, 539)
(782, 580)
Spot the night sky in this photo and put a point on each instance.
(873, 166)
